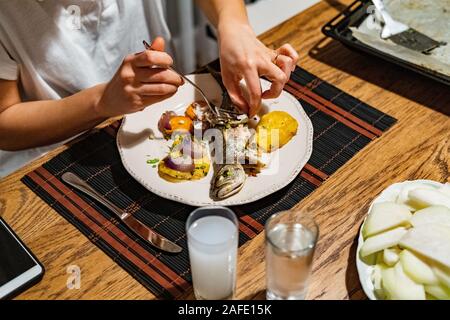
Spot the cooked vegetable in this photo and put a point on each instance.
(180, 124)
(170, 122)
(275, 130)
(153, 161)
(183, 163)
(197, 111)
(164, 125)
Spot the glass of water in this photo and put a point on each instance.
(291, 238)
(213, 234)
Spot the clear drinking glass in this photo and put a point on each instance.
(213, 234)
(291, 238)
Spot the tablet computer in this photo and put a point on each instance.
(19, 268)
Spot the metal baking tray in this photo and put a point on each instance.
(339, 28)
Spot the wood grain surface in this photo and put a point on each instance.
(417, 147)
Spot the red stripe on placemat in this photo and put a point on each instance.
(95, 215)
(338, 117)
(310, 178)
(252, 222)
(102, 233)
(336, 108)
(316, 171)
(249, 232)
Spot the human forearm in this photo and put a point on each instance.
(136, 85)
(31, 124)
(243, 56)
(222, 13)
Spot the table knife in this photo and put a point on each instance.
(135, 225)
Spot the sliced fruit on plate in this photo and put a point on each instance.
(398, 286)
(417, 269)
(377, 280)
(384, 216)
(382, 241)
(431, 215)
(443, 274)
(428, 197)
(438, 291)
(403, 196)
(391, 256)
(431, 241)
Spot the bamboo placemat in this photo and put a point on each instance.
(343, 125)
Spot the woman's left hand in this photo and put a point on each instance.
(243, 56)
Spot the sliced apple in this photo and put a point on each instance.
(398, 286)
(429, 197)
(443, 274)
(391, 256)
(384, 216)
(382, 241)
(431, 241)
(417, 269)
(431, 215)
(438, 291)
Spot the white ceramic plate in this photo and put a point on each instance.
(136, 148)
(389, 194)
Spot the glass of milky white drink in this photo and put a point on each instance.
(291, 238)
(213, 235)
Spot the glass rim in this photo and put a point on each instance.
(269, 240)
(234, 220)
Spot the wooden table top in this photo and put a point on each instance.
(417, 147)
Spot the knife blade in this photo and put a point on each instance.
(131, 222)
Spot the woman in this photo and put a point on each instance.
(60, 77)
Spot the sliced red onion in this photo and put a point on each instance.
(164, 121)
(182, 164)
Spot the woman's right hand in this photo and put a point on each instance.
(142, 79)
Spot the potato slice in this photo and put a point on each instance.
(430, 215)
(417, 269)
(438, 291)
(382, 241)
(398, 286)
(384, 216)
(431, 241)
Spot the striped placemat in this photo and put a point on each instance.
(342, 124)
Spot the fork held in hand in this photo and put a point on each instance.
(148, 47)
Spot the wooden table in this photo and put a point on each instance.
(417, 147)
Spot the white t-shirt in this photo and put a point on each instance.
(56, 48)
